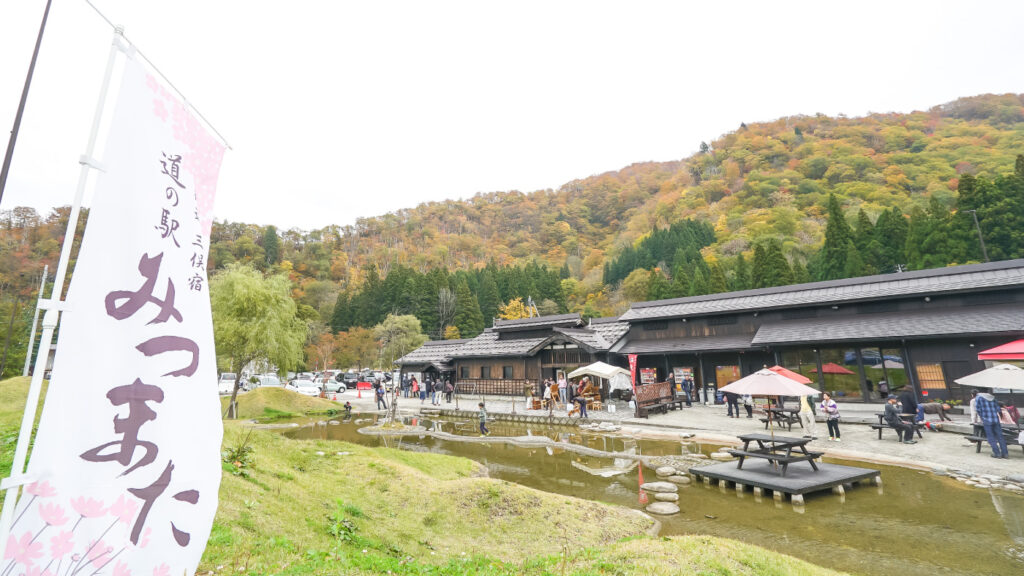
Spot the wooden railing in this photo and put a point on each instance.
(494, 387)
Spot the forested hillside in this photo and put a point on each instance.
(795, 199)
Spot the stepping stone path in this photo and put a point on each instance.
(679, 479)
(665, 495)
(663, 508)
(665, 471)
(659, 487)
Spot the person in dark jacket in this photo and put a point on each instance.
(892, 418)
(908, 402)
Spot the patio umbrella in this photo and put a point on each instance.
(999, 376)
(791, 375)
(833, 368)
(766, 382)
(1010, 351)
(1005, 376)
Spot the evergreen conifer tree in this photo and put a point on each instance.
(658, 287)
(490, 300)
(837, 238)
(742, 278)
(271, 246)
(468, 318)
(716, 281)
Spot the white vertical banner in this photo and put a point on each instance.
(126, 462)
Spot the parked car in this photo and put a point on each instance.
(334, 385)
(268, 380)
(226, 384)
(304, 387)
(350, 379)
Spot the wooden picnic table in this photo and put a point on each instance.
(777, 450)
(783, 417)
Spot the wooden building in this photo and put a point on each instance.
(921, 329)
(516, 355)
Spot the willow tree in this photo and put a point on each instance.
(254, 319)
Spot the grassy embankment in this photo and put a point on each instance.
(325, 507)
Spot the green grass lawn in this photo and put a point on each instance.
(327, 507)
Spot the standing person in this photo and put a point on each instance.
(423, 389)
(831, 410)
(581, 396)
(548, 403)
(438, 386)
(563, 389)
(449, 389)
(870, 386)
(987, 409)
(483, 420)
(807, 416)
(748, 405)
(974, 408)
(733, 401)
(688, 390)
(379, 390)
(414, 385)
(892, 418)
(908, 402)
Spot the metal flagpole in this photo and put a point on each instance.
(35, 321)
(53, 307)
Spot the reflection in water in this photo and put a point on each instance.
(920, 525)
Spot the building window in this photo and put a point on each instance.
(485, 371)
(463, 371)
(506, 372)
(929, 376)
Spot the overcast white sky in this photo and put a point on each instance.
(339, 110)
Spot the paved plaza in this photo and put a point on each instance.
(935, 451)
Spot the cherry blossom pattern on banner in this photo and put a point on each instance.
(55, 540)
(207, 151)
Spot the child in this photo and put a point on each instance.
(483, 421)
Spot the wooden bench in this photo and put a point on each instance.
(1010, 434)
(656, 397)
(777, 458)
(884, 426)
(787, 421)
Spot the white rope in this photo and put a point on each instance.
(162, 75)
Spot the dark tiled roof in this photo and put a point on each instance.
(612, 332)
(915, 324)
(439, 351)
(921, 282)
(487, 344)
(539, 322)
(692, 344)
(588, 338)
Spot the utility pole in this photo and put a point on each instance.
(6, 168)
(35, 320)
(981, 240)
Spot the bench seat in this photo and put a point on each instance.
(777, 458)
(980, 440)
(884, 426)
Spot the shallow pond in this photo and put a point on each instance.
(915, 524)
